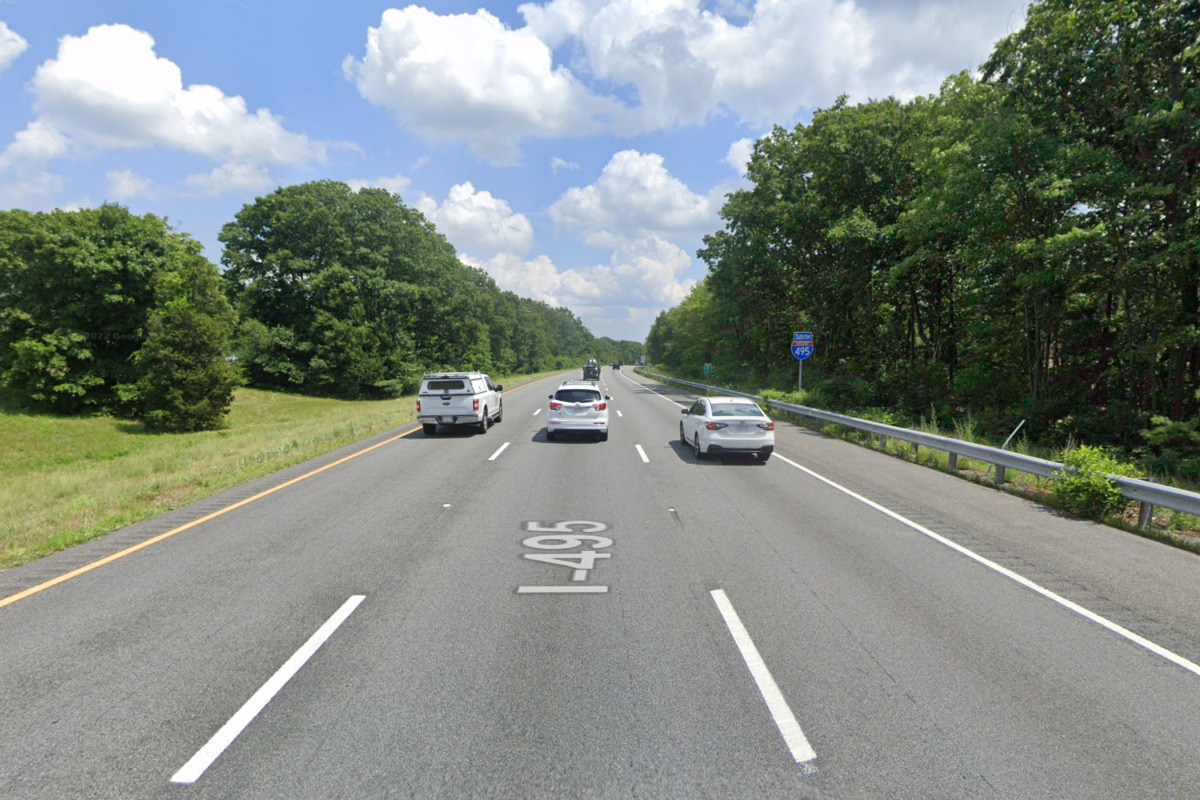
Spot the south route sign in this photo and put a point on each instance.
(802, 345)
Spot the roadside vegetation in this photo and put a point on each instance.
(66, 480)
(1024, 245)
(1082, 491)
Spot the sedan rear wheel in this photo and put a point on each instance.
(696, 444)
(682, 436)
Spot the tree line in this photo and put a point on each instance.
(1022, 245)
(325, 290)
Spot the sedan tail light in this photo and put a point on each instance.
(716, 426)
(767, 426)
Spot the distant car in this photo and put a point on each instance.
(578, 406)
(591, 372)
(715, 425)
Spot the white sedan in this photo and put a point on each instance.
(727, 425)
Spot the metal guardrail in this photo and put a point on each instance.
(1147, 493)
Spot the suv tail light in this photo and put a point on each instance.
(716, 426)
(767, 426)
(601, 406)
(555, 405)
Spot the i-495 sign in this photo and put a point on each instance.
(802, 345)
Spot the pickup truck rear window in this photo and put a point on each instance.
(444, 386)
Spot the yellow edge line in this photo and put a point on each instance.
(156, 539)
(75, 573)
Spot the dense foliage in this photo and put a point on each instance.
(1022, 245)
(353, 294)
(104, 311)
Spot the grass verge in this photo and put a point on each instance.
(66, 480)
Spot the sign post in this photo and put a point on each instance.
(802, 348)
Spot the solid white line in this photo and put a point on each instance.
(537, 412)
(785, 720)
(562, 589)
(204, 758)
(642, 453)
(1104, 622)
(496, 454)
(656, 394)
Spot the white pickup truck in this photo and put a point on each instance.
(458, 398)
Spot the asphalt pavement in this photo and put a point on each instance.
(499, 616)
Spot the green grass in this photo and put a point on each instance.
(65, 480)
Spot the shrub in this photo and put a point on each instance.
(1083, 487)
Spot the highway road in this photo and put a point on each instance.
(835, 623)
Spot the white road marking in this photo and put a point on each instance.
(656, 394)
(496, 454)
(562, 589)
(194, 768)
(785, 720)
(642, 453)
(619, 414)
(537, 412)
(1104, 622)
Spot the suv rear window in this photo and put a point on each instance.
(577, 396)
(444, 385)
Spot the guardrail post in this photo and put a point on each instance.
(999, 475)
(1145, 512)
(883, 442)
(916, 450)
(953, 461)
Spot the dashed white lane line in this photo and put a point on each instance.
(496, 454)
(194, 768)
(537, 412)
(785, 720)
(619, 414)
(642, 453)
(1123, 632)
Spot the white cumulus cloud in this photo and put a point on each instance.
(476, 221)
(109, 89)
(396, 184)
(580, 67)
(636, 195)
(232, 178)
(467, 76)
(125, 184)
(11, 46)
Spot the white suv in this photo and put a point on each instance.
(578, 406)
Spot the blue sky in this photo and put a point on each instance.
(578, 150)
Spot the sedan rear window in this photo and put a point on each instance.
(576, 396)
(444, 385)
(736, 410)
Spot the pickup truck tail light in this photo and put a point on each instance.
(767, 426)
(476, 403)
(418, 406)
